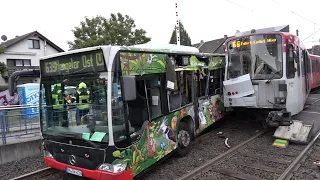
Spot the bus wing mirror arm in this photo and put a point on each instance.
(129, 88)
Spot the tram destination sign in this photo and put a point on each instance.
(84, 62)
(240, 43)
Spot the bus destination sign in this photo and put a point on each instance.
(90, 61)
(238, 43)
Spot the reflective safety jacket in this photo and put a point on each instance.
(57, 99)
(84, 96)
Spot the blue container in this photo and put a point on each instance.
(28, 94)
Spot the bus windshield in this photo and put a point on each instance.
(77, 105)
(260, 56)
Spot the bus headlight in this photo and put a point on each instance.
(47, 154)
(114, 168)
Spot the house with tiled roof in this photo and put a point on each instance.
(24, 52)
(315, 50)
(213, 46)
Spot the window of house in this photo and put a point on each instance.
(18, 62)
(34, 44)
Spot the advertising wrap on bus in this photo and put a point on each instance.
(89, 61)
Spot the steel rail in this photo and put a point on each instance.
(28, 175)
(288, 172)
(222, 156)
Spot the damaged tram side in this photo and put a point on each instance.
(269, 74)
(131, 107)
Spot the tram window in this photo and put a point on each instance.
(314, 66)
(183, 96)
(297, 59)
(303, 70)
(201, 79)
(214, 82)
(290, 63)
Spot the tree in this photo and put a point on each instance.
(117, 30)
(184, 36)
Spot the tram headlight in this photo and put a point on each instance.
(47, 154)
(114, 168)
(280, 100)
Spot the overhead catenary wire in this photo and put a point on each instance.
(297, 14)
(251, 10)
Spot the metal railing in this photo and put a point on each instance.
(18, 121)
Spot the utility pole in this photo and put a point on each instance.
(177, 25)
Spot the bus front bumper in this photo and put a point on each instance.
(92, 174)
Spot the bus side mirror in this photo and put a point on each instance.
(129, 88)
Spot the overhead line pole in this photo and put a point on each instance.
(177, 25)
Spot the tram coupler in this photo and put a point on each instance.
(279, 118)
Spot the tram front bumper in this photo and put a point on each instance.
(91, 174)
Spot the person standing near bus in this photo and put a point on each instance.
(58, 101)
(83, 99)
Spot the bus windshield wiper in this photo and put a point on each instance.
(77, 136)
(276, 73)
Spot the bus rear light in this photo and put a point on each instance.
(236, 92)
(113, 168)
(47, 154)
(232, 93)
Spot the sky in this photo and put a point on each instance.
(203, 19)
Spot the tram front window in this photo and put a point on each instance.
(77, 105)
(257, 55)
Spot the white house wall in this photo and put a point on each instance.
(22, 47)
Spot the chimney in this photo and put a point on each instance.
(17, 36)
(201, 41)
(225, 36)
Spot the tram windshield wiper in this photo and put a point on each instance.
(275, 73)
(77, 136)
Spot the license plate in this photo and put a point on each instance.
(74, 171)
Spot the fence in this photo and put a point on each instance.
(17, 122)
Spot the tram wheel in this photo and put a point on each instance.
(184, 139)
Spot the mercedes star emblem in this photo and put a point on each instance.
(72, 160)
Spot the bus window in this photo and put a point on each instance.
(153, 86)
(202, 82)
(183, 96)
(214, 82)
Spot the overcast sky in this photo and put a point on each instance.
(203, 19)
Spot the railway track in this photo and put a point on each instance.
(249, 161)
(39, 174)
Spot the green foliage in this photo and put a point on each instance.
(3, 87)
(117, 30)
(184, 36)
(3, 68)
(2, 49)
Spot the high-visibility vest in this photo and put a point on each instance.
(57, 97)
(84, 96)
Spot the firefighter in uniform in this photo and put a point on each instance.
(58, 101)
(83, 99)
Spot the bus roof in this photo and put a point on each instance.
(169, 48)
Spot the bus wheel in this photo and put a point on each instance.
(184, 139)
